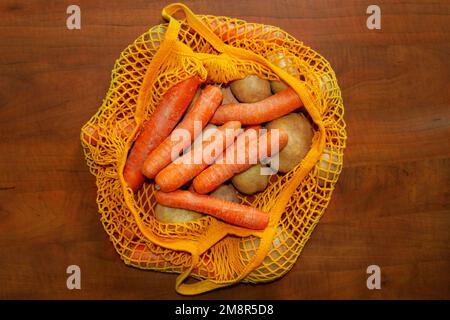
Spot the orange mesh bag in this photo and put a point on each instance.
(218, 50)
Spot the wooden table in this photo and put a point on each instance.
(391, 206)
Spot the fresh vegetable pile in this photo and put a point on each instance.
(152, 153)
(216, 150)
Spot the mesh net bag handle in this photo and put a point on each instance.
(307, 164)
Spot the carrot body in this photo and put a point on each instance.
(233, 213)
(201, 113)
(228, 96)
(196, 160)
(226, 167)
(265, 110)
(165, 117)
(256, 128)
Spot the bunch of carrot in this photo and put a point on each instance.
(152, 153)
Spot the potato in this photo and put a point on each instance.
(251, 89)
(175, 215)
(228, 96)
(251, 180)
(277, 86)
(226, 192)
(325, 83)
(300, 134)
(285, 63)
(330, 162)
(157, 35)
(283, 247)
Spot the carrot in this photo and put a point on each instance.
(256, 128)
(230, 212)
(265, 110)
(165, 117)
(225, 168)
(228, 96)
(188, 166)
(201, 113)
(207, 133)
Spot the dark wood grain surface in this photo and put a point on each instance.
(391, 206)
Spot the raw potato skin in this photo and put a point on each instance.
(175, 215)
(285, 63)
(158, 33)
(282, 243)
(251, 89)
(277, 86)
(329, 161)
(300, 133)
(226, 192)
(250, 181)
